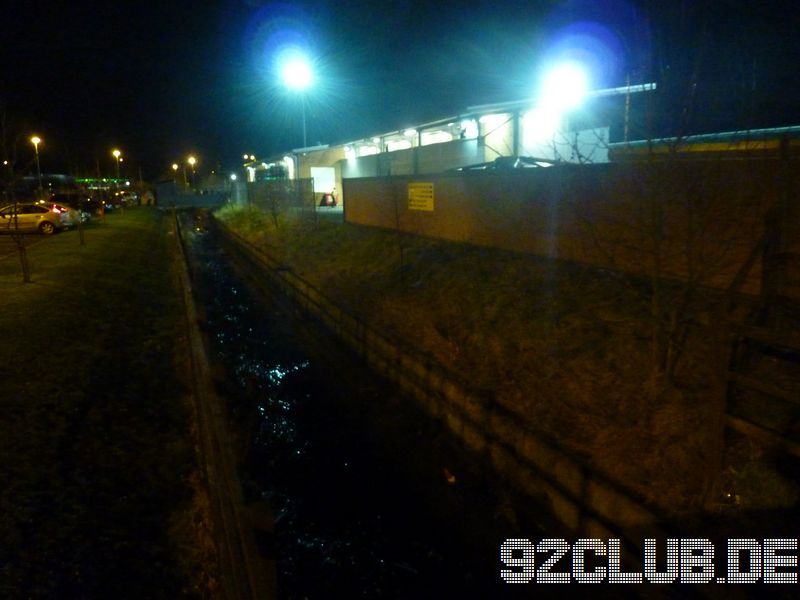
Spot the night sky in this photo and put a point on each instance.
(162, 79)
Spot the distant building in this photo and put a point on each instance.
(51, 183)
(479, 135)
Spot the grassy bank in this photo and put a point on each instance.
(567, 348)
(95, 483)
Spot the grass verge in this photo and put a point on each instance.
(96, 491)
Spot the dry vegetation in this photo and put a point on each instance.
(565, 347)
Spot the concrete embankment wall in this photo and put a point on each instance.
(582, 500)
(697, 219)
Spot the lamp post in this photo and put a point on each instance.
(303, 109)
(297, 76)
(36, 140)
(116, 153)
(192, 162)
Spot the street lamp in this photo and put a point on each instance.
(116, 153)
(36, 140)
(192, 161)
(297, 76)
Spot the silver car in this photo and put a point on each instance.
(29, 216)
(72, 213)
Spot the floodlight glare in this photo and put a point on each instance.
(296, 74)
(565, 87)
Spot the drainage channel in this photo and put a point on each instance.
(370, 497)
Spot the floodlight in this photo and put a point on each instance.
(296, 73)
(564, 87)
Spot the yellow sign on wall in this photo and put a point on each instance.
(420, 196)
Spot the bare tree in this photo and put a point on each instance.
(10, 138)
(687, 228)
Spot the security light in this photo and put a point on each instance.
(296, 73)
(564, 87)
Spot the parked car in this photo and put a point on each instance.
(71, 210)
(125, 198)
(30, 216)
(130, 199)
(83, 202)
(509, 163)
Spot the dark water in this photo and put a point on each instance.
(360, 482)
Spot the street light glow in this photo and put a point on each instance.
(36, 140)
(117, 154)
(174, 166)
(192, 161)
(564, 87)
(296, 73)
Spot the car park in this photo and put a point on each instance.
(72, 212)
(130, 199)
(33, 216)
(125, 198)
(84, 202)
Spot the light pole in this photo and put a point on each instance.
(297, 76)
(192, 161)
(36, 140)
(117, 154)
(303, 109)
